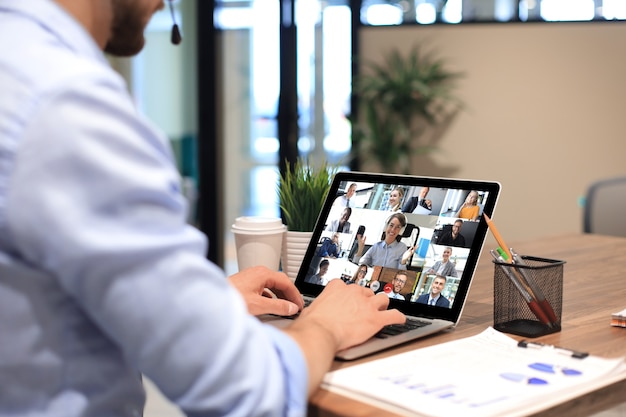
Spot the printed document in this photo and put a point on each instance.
(484, 375)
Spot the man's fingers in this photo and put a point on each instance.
(394, 316)
(268, 293)
(281, 307)
(282, 287)
(381, 300)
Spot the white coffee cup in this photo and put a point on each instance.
(258, 241)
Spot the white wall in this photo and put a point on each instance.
(546, 113)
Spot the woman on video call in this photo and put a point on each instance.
(389, 251)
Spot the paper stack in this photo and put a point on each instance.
(619, 319)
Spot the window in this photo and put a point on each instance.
(398, 12)
(249, 37)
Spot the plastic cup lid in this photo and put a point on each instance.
(258, 224)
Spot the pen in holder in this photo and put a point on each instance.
(528, 296)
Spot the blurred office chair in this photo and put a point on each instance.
(605, 207)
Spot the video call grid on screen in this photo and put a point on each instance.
(426, 230)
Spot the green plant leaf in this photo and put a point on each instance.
(302, 191)
(399, 100)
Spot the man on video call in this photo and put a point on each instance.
(398, 282)
(434, 297)
(101, 278)
(419, 204)
(453, 236)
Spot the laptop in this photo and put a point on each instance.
(440, 270)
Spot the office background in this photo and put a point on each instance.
(545, 112)
(545, 115)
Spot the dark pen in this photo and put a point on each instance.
(537, 345)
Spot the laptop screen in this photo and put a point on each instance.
(417, 239)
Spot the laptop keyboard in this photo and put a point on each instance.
(387, 331)
(395, 329)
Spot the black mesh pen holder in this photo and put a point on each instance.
(528, 297)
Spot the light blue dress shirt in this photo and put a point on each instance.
(385, 255)
(100, 277)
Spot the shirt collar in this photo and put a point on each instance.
(54, 19)
(392, 244)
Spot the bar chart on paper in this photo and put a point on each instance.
(484, 375)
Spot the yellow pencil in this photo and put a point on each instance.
(496, 235)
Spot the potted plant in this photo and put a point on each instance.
(302, 190)
(403, 104)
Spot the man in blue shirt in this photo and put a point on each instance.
(330, 247)
(101, 278)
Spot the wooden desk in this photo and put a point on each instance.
(594, 288)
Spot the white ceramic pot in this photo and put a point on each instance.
(293, 250)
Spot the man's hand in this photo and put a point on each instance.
(351, 313)
(340, 317)
(253, 283)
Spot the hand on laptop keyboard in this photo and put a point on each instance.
(283, 298)
(394, 329)
(350, 313)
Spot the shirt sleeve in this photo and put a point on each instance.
(95, 201)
